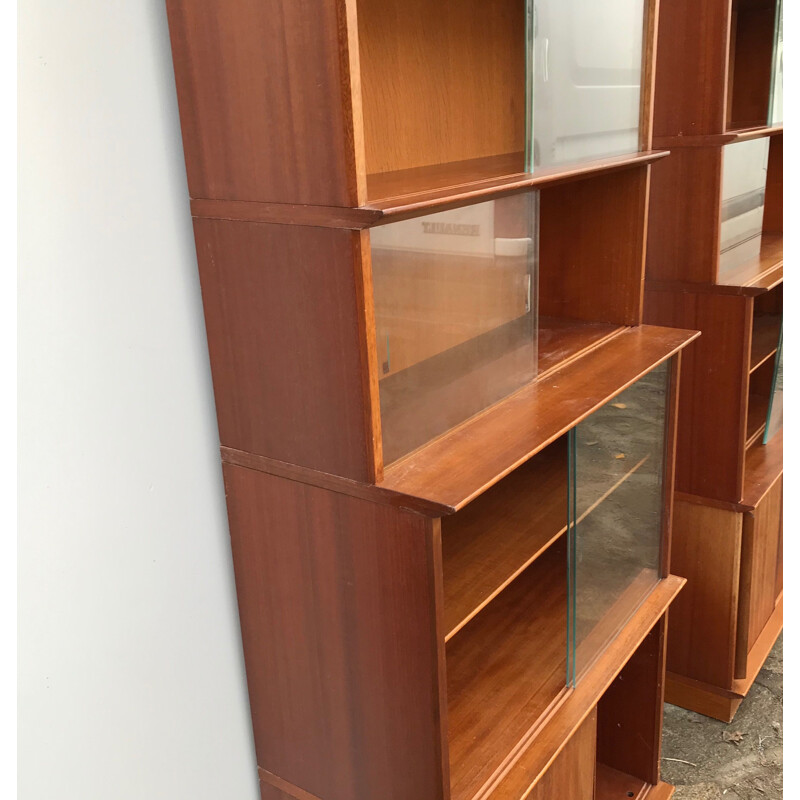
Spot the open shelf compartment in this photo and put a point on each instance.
(496, 89)
(473, 303)
(543, 571)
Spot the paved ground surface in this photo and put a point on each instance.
(739, 761)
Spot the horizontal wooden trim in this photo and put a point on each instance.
(690, 287)
(703, 698)
(717, 139)
(334, 483)
(285, 213)
(537, 753)
(284, 786)
(463, 463)
(393, 209)
(411, 205)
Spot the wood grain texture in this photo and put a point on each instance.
(764, 272)
(612, 784)
(706, 550)
(468, 460)
(572, 774)
(691, 68)
(536, 754)
(773, 203)
(285, 325)
(761, 534)
(342, 644)
(275, 788)
(631, 711)
(491, 541)
(713, 394)
(505, 670)
(702, 698)
(684, 223)
(762, 647)
(729, 137)
(266, 102)
(763, 467)
(766, 332)
(592, 233)
(750, 73)
(407, 194)
(436, 91)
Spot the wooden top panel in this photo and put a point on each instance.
(265, 101)
(463, 463)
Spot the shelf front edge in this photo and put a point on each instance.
(392, 209)
(462, 464)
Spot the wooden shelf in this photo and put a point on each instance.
(505, 670)
(766, 332)
(762, 273)
(717, 139)
(465, 462)
(493, 540)
(561, 340)
(409, 193)
(612, 784)
(488, 544)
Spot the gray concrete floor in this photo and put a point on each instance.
(739, 761)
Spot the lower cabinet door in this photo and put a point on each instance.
(761, 575)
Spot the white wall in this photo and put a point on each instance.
(130, 667)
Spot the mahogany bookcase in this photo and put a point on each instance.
(448, 440)
(715, 264)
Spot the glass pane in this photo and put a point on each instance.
(775, 412)
(615, 508)
(584, 79)
(455, 315)
(776, 89)
(744, 181)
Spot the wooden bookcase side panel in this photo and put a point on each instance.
(684, 221)
(340, 615)
(631, 711)
(713, 392)
(591, 248)
(289, 330)
(692, 65)
(706, 550)
(773, 204)
(269, 100)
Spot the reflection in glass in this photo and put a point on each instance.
(775, 410)
(615, 514)
(776, 88)
(744, 181)
(584, 79)
(455, 315)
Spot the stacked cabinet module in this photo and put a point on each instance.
(715, 264)
(448, 440)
